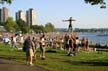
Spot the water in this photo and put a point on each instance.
(103, 40)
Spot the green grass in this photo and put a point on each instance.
(59, 61)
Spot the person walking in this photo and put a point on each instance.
(42, 46)
(14, 41)
(30, 50)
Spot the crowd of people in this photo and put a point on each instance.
(69, 42)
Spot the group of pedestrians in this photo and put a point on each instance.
(30, 48)
(73, 44)
(69, 42)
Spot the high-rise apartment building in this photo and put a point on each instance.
(27, 18)
(31, 17)
(0, 15)
(20, 15)
(4, 14)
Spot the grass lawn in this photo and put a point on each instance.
(59, 61)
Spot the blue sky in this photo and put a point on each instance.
(55, 11)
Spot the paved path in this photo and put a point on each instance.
(8, 65)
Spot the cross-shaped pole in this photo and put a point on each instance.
(70, 20)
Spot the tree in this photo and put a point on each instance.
(49, 27)
(2, 23)
(96, 2)
(38, 28)
(10, 25)
(92, 2)
(23, 26)
(7, 1)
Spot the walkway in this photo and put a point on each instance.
(8, 65)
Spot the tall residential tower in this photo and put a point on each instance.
(20, 15)
(0, 15)
(31, 17)
(4, 14)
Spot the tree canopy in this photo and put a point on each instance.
(23, 26)
(92, 2)
(96, 2)
(7, 1)
(38, 28)
(10, 25)
(49, 27)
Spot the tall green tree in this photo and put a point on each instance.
(38, 28)
(23, 26)
(49, 27)
(10, 25)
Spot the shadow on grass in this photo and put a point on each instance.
(11, 57)
(88, 63)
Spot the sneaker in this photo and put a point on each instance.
(43, 58)
(31, 64)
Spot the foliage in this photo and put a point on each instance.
(10, 25)
(2, 23)
(7, 1)
(92, 2)
(41, 29)
(95, 2)
(23, 26)
(17, 27)
(49, 27)
(38, 28)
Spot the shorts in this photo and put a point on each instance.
(42, 48)
(30, 52)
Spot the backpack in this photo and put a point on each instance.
(24, 49)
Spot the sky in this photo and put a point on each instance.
(54, 11)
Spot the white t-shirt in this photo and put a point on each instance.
(43, 41)
(14, 39)
(77, 41)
